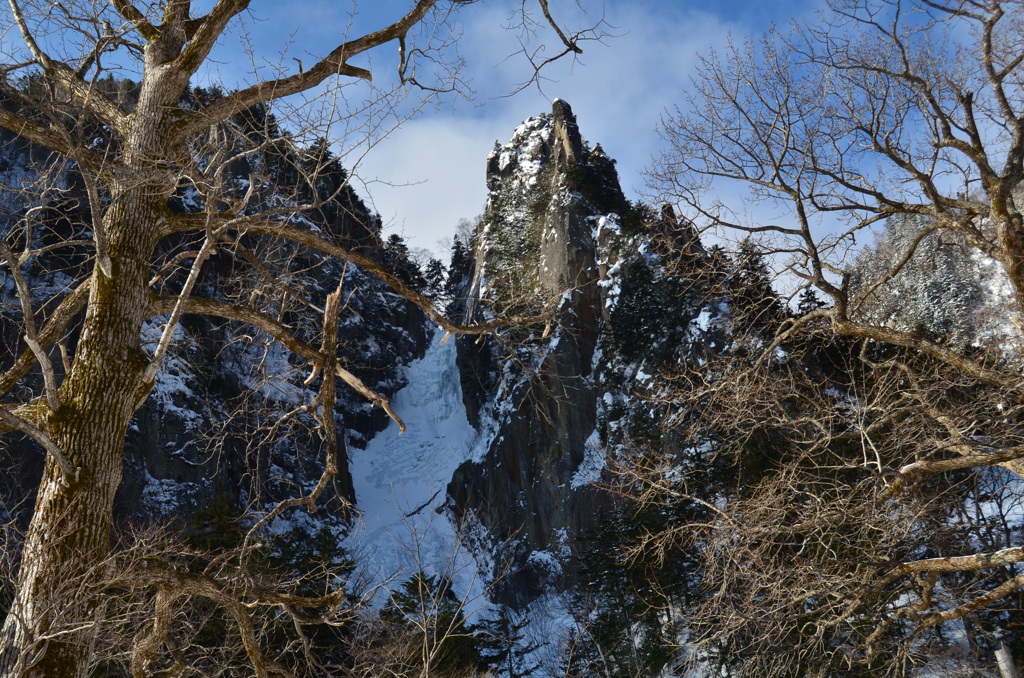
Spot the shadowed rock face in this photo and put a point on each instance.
(224, 388)
(206, 430)
(633, 293)
(541, 205)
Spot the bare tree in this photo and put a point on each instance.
(883, 109)
(840, 531)
(879, 110)
(135, 151)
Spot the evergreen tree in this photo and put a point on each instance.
(311, 563)
(506, 650)
(436, 277)
(809, 301)
(397, 258)
(340, 211)
(639, 313)
(936, 294)
(458, 268)
(443, 644)
(750, 289)
(621, 605)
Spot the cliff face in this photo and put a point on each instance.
(226, 418)
(633, 293)
(230, 418)
(548, 196)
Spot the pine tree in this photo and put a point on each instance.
(750, 289)
(639, 314)
(322, 179)
(458, 268)
(436, 278)
(935, 294)
(809, 301)
(426, 609)
(621, 603)
(505, 648)
(397, 258)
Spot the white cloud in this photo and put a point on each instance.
(617, 90)
(428, 175)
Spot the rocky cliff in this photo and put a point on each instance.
(546, 407)
(557, 231)
(229, 417)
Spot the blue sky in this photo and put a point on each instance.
(429, 172)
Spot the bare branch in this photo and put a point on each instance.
(51, 333)
(14, 422)
(335, 63)
(316, 242)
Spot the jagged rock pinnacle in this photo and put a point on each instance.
(569, 149)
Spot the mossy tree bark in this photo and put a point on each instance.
(59, 595)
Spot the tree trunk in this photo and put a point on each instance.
(53, 621)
